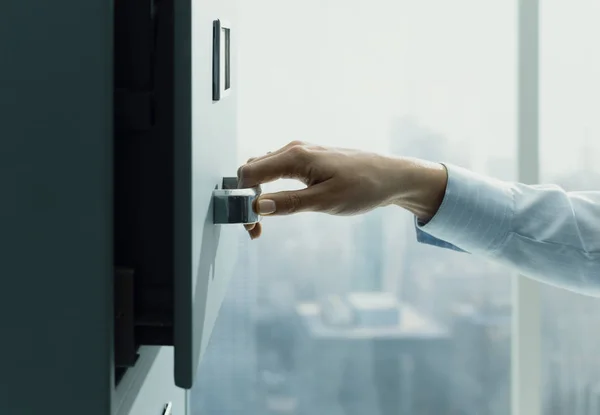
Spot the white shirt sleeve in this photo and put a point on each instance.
(542, 231)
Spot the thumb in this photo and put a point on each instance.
(287, 202)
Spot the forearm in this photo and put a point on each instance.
(423, 186)
(540, 231)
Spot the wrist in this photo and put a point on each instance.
(422, 187)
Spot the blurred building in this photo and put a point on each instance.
(411, 137)
(366, 353)
(480, 366)
(367, 274)
(408, 261)
(572, 383)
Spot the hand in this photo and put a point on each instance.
(342, 182)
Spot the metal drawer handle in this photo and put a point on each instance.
(232, 205)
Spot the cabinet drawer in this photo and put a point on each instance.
(149, 386)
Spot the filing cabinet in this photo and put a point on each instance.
(118, 123)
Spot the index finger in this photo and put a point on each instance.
(288, 164)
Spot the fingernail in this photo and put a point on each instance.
(266, 206)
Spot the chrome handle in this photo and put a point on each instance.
(233, 205)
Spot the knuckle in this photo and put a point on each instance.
(296, 143)
(299, 152)
(243, 172)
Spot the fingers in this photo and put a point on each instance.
(278, 151)
(286, 162)
(254, 230)
(286, 203)
(289, 202)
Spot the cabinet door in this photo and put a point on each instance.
(205, 153)
(174, 144)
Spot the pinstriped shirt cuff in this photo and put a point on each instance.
(475, 214)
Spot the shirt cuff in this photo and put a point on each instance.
(475, 214)
(427, 239)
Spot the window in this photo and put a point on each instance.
(432, 79)
(569, 154)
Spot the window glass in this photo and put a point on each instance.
(569, 156)
(432, 79)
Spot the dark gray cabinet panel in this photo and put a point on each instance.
(56, 207)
